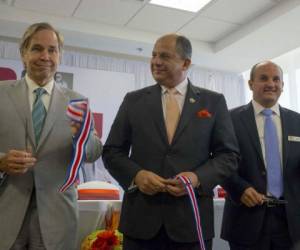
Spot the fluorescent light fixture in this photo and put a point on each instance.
(188, 5)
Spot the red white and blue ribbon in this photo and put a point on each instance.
(78, 111)
(190, 190)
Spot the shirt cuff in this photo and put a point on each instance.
(132, 187)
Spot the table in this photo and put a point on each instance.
(92, 216)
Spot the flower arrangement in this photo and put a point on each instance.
(103, 240)
(204, 113)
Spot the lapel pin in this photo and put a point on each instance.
(192, 100)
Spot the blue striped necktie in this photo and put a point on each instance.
(38, 113)
(272, 155)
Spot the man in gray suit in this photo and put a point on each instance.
(162, 131)
(33, 164)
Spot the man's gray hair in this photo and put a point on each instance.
(32, 30)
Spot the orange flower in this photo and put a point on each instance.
(103, 240)
(204, 113)
(106, 240)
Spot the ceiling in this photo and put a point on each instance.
(228, 35)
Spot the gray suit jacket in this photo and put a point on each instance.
(138, 140)
(57, 211)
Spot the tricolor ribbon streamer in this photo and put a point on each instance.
(190, 190)
(78, 111)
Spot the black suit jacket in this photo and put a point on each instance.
(138, 140)
(240, 223)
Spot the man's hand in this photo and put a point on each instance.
(149, 182)
(75, 126)
(177, 188)
(251, 197)
(16, 162)
(77, 123)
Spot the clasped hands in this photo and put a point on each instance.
(17, 162)
(151, 183)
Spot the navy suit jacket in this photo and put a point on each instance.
(240, 223)
(203, 144)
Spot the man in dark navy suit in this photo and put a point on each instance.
(162, 131)
(261, 214)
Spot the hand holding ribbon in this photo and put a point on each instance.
(184, 183)
(177, 188)
(81, 118)
(76, 111)
(149, 182)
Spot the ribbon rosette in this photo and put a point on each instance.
(78, 111)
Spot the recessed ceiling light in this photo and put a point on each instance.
(188, 5)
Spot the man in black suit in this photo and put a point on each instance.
(252, 219)
(145, 151)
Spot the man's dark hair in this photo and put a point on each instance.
(184, 47)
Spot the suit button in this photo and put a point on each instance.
(263, 173)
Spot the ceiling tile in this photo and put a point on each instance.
(54, 7)
(207, 30)
(116, 12)
(159, 19)
(237, 11)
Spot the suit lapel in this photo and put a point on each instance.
(19, 96)
(284, 126)
(55, 110)
(190, 107)
(154, 105)
(248, 119)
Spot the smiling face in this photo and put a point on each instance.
(167, 66)
(266, 84)
(42, 56)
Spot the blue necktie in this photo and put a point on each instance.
(272, 155)
(38, 113)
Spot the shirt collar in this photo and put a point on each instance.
(32, 86)
(258, 108)
(181, 87)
